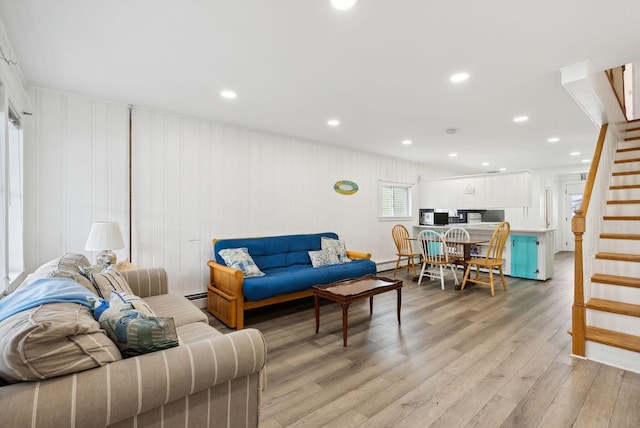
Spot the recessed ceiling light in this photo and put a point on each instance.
(343, 4)
(333, 122)
(521, 118)
(503, 169)
(586, 160)
(228, 94)
(485, 163)
(575, 153)
(407, 142)
(459, 77)
(553, 140)
(453, 155)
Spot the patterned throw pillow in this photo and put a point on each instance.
(133, 332)
(326, 257)
(108, 280)
(136, 302)
(338, 246)
(239, 258)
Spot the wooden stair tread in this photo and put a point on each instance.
(613, 338)
(627, 160)
(626, 281)
(631, 138)
(628, 149)
(614, 307)
(619, 256)
(625, 186)
(621, 217)
(625, 173)
(619, 236)
(624, 201)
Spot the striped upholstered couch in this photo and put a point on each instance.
(209, 380)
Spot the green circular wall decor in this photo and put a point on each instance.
(345, 187)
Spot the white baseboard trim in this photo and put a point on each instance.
(387, 265)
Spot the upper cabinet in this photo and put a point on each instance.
(500, 190)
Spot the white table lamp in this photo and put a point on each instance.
(105, 236)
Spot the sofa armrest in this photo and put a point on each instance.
(356, 255)
(226, 279)
(225, 299)
(147, 282)
(130, 387)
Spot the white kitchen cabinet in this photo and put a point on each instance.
(436, 194)
(485, 191)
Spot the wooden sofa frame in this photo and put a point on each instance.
(225, 299)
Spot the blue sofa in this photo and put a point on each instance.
(288, 271)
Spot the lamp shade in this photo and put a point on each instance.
(104, 235)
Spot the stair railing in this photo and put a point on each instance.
(585, 243)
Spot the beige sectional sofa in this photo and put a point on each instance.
(209, 380)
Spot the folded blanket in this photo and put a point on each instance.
(43, 291)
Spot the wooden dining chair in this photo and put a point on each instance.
(492, 259)
(435, 257)
(453, 237)
(404, 248)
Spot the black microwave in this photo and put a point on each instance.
(440, 219)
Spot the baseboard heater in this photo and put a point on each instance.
(197, 296)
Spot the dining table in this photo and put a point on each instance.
(466, 252)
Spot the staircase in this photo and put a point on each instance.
(613, 309)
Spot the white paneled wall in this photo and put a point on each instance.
(192, 181)
(196, 180)
(76, 171)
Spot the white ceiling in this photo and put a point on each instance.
(382, 68)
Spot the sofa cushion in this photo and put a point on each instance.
(276, 251)
(195, 332)
(52, 340)
(239, 258)
(296, 278)
(322, 258)
(68, 266)
(133, 332)
(178, 307)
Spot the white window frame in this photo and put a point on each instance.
(383, 209)
(12, 196)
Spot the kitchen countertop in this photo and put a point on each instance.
(483, 226)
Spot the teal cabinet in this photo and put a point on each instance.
(524, 256)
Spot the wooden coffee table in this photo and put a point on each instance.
(346, 292)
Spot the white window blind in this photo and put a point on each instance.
(395, 200)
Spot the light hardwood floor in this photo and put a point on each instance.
(459, 359)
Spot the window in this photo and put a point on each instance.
(11, 179)
(395, 200)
